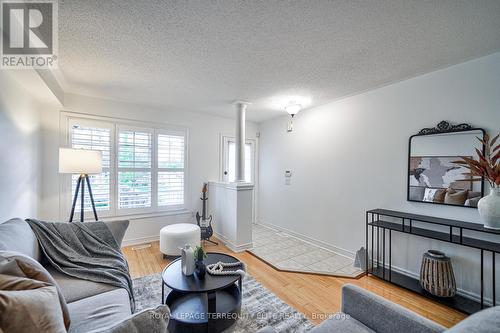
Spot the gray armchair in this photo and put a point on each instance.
(363, 311)
(373, 313)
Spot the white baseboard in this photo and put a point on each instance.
(140, 240)
(350, 254)
(313, 241)
(231, 246)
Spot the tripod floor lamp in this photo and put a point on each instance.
(83, 162)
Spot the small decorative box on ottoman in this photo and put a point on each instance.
(173, 237)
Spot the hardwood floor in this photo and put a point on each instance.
(314, 295)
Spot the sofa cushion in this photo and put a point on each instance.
(472, 202)
(16, 264)
(16, 236)
(148, 320)
(456, 197)
(74, 289)
(485, 321)
(417, 193)
(28, 305)
(474, 194)
(118, 229)
(429, 194)
(340, 322)
(440, 195)
(99, 312)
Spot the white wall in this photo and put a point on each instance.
(351, 155)
(19, 143)
(203, 157)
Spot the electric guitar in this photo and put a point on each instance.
(205, 223)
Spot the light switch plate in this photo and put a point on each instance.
(288, 177)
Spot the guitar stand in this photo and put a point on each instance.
(211, 241)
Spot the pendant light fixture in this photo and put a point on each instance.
(292, 109)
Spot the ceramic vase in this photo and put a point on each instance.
(489, 209)
(187, 260)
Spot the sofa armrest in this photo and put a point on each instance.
(382, 315)
(118, 229)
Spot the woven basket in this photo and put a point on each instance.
(436, 274)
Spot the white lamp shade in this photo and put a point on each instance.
(80, 161)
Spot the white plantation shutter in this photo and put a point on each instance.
(144, 169)
(134, 168)
(88, 136)
(171, 160)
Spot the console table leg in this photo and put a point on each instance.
(366, 244)
(494, 284)
(373, 253)
(482, 279)
(383, 253)
(390, 254)
(378, 247)
(212, 312)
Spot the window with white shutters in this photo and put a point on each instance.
(170, 149)
(144, 168)
(87, 136)
(134, 168)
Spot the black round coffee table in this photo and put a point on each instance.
(208, 305)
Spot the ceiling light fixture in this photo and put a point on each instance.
(293, 108)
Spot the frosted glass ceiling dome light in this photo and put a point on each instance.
(293, 109)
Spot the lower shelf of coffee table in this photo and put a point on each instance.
(189, 311)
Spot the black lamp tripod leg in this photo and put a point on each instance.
(74, 199)
(82, 199)
(91, 198)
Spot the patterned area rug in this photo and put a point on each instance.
(260, 307)
(288, 253)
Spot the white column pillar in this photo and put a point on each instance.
(241, 107)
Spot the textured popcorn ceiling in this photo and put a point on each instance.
(201, 55)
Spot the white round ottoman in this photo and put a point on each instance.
(175, 236)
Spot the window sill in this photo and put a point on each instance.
(147, 215)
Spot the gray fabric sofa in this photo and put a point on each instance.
(365, 312)
(93, 307)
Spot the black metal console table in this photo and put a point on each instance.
(451, 231)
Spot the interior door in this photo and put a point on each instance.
(229, 160)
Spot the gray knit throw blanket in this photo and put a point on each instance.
(86, 251)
